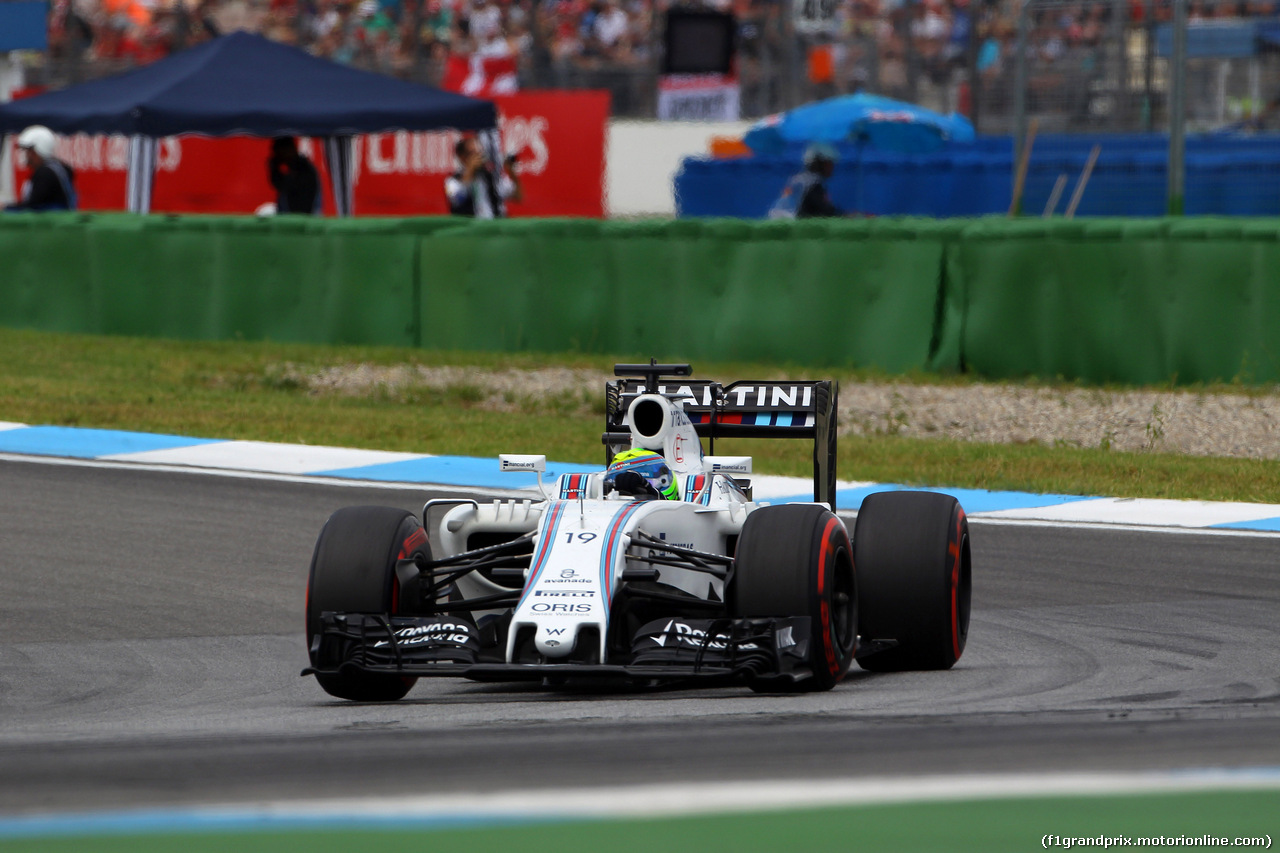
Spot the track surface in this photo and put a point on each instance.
(151, 638)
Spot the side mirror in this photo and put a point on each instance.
(731, 466)
(520, 462)
(525, 464)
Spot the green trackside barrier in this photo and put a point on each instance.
(833, 292)
(281, 278)
(45, 277)
(1103, 300)
(1195, 300)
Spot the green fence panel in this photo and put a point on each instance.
(670, 294)
(1049, 308)
(946, 349)
(822, 301)
(370, 289)
(150, 281)
(240, 278)
(816, 293)
(506, 291)
(225, 277)
(1187, 301)
(45, 280)
(1223, 311)
(271, 286)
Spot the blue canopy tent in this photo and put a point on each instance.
(245, 84)
(879, 122)
(863, 120)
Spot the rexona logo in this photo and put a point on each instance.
(449, 633)
(691, 636)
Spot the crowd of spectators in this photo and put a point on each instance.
(890, 46)
(402, 37)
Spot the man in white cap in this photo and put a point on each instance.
(52, 182)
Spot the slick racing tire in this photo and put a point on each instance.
(353, 570)
(914, 579)
(795, 560)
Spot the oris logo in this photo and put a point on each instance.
(544, 607)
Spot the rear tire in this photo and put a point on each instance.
(796, 560)
(353, 570)
(914, 579)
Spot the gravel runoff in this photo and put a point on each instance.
(1203, 423)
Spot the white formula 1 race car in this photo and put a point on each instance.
(660, 568)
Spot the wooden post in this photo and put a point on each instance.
(1015, 204)
(1058, 186)
(1084, 180)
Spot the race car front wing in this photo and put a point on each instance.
(665, 649)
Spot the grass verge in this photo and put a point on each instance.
(981, 826)
(241, 390)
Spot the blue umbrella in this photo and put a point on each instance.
(880, 123)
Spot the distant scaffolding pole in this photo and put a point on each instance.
(1020, 120)
(1178, 111)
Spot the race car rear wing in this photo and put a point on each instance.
(743, 409)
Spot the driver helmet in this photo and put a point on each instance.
(649, 465)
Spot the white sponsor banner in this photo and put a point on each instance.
(814, 17)
(698, 97)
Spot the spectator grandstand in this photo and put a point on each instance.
(938, 53)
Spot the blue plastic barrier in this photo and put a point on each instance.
(1226, 175)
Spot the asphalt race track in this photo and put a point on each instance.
(151, 639)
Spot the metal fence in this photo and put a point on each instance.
(1091, 65)
(1060, 66)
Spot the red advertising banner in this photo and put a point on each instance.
(558, 136)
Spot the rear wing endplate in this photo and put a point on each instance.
(743, 409)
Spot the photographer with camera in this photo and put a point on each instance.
(477, 189)
(294, 178)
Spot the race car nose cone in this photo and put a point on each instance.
(555, 641)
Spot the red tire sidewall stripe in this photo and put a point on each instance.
(824, 557)
(955, 550)
(410, 544)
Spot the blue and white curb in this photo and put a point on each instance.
(424, 813)
(410, 469)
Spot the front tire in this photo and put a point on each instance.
(353, 570)
(914, 576)
(796, 560)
